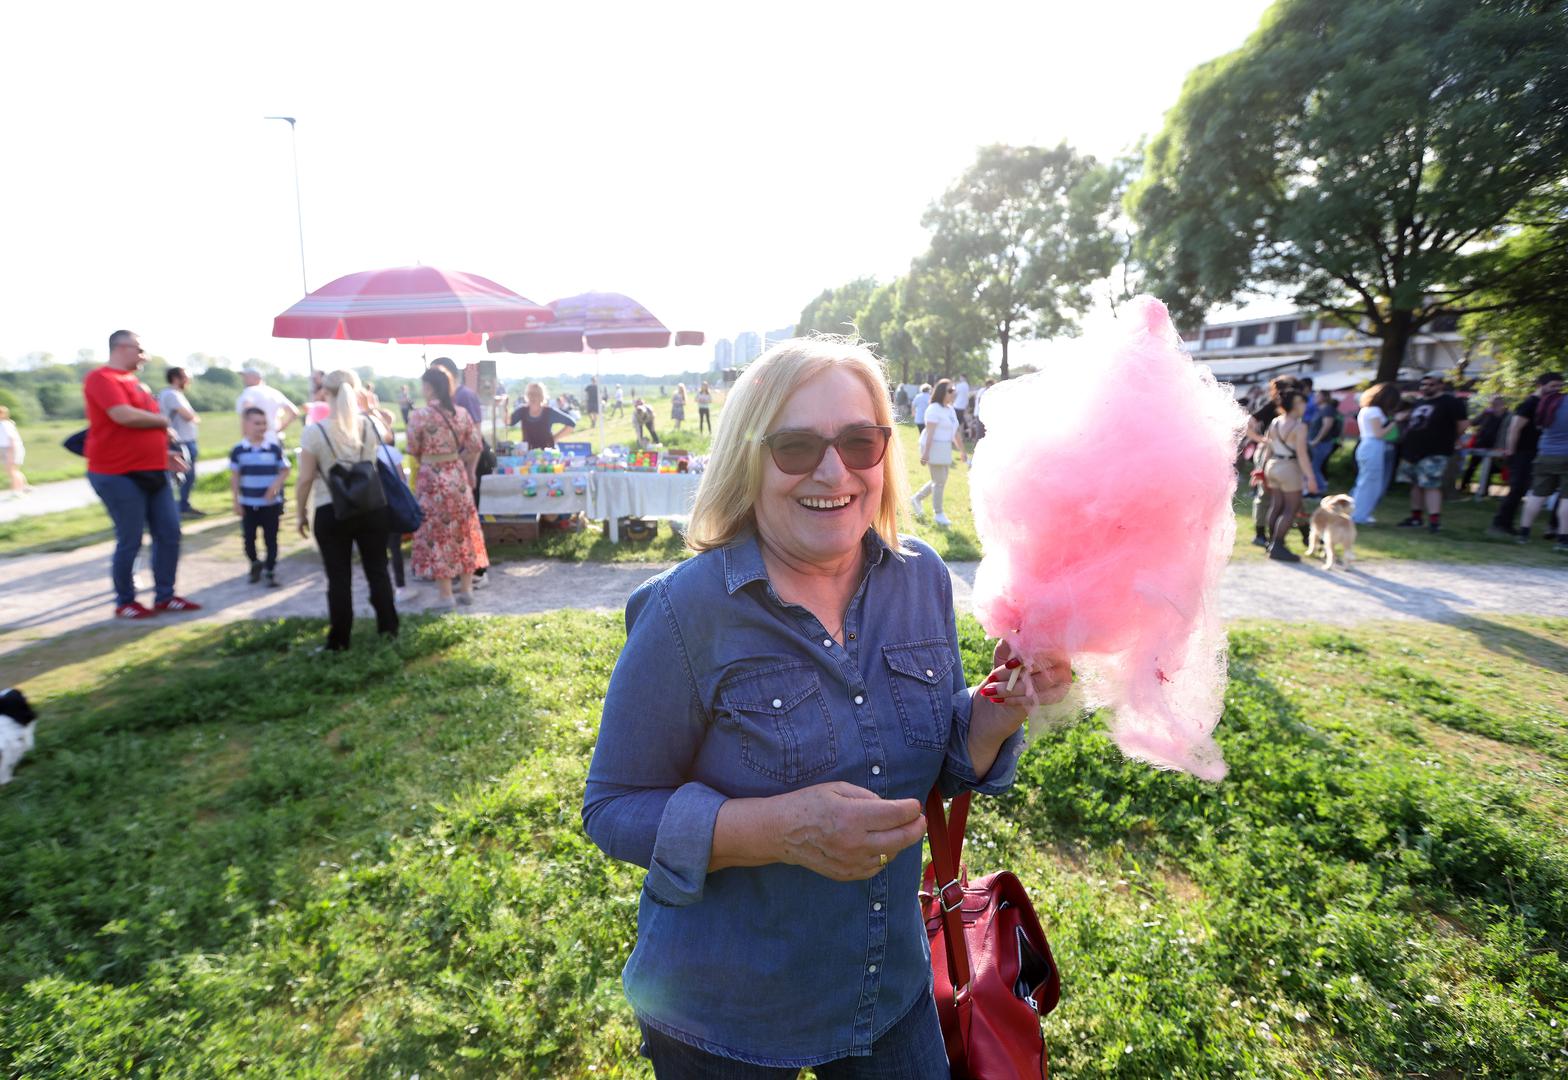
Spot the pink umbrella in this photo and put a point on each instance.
(410, 303)
(589, 322)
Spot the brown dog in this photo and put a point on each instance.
(1332, 525)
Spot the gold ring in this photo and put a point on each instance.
(883, 856)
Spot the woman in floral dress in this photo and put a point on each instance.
(446, 441)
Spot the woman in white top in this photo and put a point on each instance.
(704, 408)
(938, 440)
(12, 452)
(1288, 470)
(1373, 424)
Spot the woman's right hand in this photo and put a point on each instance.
(304, 526)
(842, 831)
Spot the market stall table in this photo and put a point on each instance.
(640, 495)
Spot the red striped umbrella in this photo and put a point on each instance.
(592, 321)
(410, 303)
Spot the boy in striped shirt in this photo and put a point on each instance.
(258, 470)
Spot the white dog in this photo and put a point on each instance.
(16, 731)
(1331, 524)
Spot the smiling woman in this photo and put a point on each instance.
(784, 703)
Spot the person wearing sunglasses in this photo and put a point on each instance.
(941, 435)
(785, 700)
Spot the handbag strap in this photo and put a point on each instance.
(947, 842)
(337, 458)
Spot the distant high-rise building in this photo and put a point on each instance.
(723, 355)
(773, 337)
(748, 346)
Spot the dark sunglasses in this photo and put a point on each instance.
(800, 452)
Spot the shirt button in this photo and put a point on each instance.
(778, 703)
(827, 643)
(876, 770)
(877, 906)
(930, 674)
(859, 700)
(872, 969)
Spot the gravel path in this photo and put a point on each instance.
(72, 494)
(46, 596)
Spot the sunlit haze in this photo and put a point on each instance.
(721, 163)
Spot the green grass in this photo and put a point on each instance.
(48, 460)
(231, 855)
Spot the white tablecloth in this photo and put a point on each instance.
(610, 496)
(642, 495)
(503, 496)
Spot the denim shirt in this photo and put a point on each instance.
(725, 691)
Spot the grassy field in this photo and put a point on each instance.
(48, 460)
(229, 854)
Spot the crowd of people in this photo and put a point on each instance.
(1292, 433)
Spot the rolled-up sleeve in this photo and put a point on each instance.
(958, 771)
(640, 805)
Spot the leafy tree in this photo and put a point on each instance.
(1371, 157)
(23, 405)
(1025, 234)
(834, 311)
(947, 332)
(1523, 322)
(60, 400)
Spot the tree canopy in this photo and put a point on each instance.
(1523, 322)
(1372, 158)
(1024, 233)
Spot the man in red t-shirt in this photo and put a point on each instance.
(129, 457)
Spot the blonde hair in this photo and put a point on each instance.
(727, 497)
(528, 392)
(5, 413)
(342, 389)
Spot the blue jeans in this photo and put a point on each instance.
(1320, 452)
(1371, 477)
(188, 481)
(138, 502)
(911, 1049)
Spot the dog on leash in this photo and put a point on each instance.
(1332, 525)
(16, 731)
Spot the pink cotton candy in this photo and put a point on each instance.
(1103, 497)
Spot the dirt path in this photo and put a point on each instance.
(60, 495)
(43, 597)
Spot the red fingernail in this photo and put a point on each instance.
(1014, 663)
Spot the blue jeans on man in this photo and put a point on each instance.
(188, 480)
(138, 502)
(1320, 452)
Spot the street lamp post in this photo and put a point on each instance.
(299, 219)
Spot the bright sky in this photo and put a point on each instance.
(721, 162)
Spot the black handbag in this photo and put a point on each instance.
(355, 486)
(76, 443)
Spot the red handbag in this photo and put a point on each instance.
(995, 978)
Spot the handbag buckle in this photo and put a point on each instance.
(942, 895)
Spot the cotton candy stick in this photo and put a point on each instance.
(1103, 493)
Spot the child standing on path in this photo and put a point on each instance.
(258, 471)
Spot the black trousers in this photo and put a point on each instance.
(395, 553)
(264, 518)
(704, 420)
(1520, 473)
(337, 541)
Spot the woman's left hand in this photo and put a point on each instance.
(999, 710)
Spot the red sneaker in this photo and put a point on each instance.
(133, 610)
(176, 603)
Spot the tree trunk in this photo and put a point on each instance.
(1396, 337)
(1005, 338)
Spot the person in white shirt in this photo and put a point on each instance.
(961, 399)
(941, 436)
(922, 401)
(12, 452)
(176, 409)
(274, 404)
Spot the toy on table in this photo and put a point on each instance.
(1110, 549)
(530, 487)
(646, 461)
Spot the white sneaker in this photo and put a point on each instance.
(404, 594)
(479, 580)
(941, 519)
(920, 511)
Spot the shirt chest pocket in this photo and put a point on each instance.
(781, 721)
(919, 674)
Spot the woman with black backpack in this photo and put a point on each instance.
(334, 483)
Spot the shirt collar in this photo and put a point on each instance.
(743, 558)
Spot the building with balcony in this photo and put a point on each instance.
(1249, 352)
